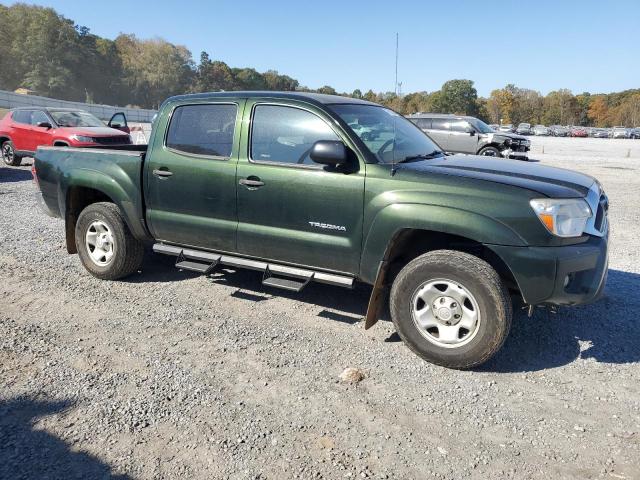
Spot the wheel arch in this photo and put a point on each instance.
(391, 245)
(76, 196)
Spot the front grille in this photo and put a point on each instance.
(119, 140)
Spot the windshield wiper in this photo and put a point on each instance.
(423, 156)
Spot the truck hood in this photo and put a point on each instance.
(91, 131)
(548, 181)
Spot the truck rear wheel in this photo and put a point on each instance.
(9, 155)
(451, 308)
(105, 245)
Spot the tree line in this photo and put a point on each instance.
(51, 55)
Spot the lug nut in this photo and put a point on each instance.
(453, 305)
(456, 316)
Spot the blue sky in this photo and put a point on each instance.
(544, 45)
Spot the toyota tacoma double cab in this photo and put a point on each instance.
(319, 188)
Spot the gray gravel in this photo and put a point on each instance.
(170, 375)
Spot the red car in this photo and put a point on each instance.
(23, 130)
(579, 132)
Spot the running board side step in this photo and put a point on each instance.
(275, 275)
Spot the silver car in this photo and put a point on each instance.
(620, 132)
(541, 130)
(462, 134)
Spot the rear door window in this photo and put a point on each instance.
(21, 116)
(205, 129)
(423, 123)
(440, 124)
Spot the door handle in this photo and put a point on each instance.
(251, 182)
(162, 173)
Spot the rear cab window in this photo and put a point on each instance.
(203, 129)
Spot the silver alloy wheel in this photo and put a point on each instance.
(489, 153)
(445, 313)
(100, 244)
(7, 153)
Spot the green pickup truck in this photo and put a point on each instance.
(320, 188)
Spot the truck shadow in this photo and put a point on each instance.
(28, 453)
(11, 175)
(606, 331)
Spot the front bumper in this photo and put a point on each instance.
(522, 153)
(568, 275)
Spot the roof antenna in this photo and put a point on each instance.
(394, 167)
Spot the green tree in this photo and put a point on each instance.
(459, 97)
(327, 90)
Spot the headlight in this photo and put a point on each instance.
(82, 139)
(563, 217)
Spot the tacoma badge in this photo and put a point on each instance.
(328, 226)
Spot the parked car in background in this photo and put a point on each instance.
(524, 129)
(600, 133)
(620, 132)
(559, 131)
(506, 128)
(495, 126)
(578, 132)
(321, 188)
(541, 130)
(23, 130)
(635, 132)
(461, 134)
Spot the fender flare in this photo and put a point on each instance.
(121, 191)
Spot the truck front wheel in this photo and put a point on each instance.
(451, 308)
(105, 245)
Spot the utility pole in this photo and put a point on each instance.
(395, 88)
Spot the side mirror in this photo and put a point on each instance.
(329, 152)
(46, 125)
(115, 125)
(472, 132)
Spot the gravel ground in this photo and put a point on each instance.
(171, 375)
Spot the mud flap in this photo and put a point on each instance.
(377, 297)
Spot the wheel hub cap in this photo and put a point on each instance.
(447, 310)
(99, 243)
(445, 313)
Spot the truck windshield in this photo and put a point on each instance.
(388, 135)
(66, 118)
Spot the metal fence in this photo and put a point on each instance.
(103, 112)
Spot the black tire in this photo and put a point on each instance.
(490, 152)
(478, 278)
(9, 156)
(127, 251)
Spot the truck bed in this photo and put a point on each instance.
(115, 171)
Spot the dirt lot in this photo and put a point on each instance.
(171, 375)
